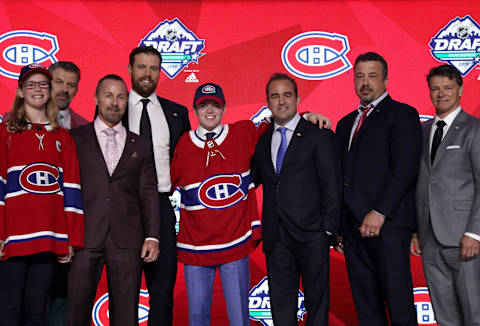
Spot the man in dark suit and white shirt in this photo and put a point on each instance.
(121, 207)
(380, 144)
(448, 203)
(162, 122)
(297, 165)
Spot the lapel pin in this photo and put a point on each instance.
(175, 114)
(457, 128)
(299, 134)
(132, 140)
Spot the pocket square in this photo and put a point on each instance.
(134, 155)
(452, 147)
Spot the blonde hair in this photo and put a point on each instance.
(18, 120)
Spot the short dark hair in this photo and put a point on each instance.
(282, 76)
(65, 65)
(108, 77)
(446, 71)
(144, 49)
(373, 56)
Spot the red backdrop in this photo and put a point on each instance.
(238, 45)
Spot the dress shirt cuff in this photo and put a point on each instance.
(472, 235)
(154, 239)
(379, 213)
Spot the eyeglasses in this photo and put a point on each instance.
(41, 84)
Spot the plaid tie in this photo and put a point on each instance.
(112, 153)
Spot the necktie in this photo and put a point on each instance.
(282, 149)
(112, 154)
(145, 126)
(210, 135)
(437, 139)
(363, 116)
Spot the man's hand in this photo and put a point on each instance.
(469, 247)
(68, 257)
(339, 247)
(323, 122)
(372, 223)
(2, 245)
(150, 251)
(415, 245)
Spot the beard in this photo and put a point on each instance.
(113, 114)
(143, 90)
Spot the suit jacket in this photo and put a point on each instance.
(380, 170)
(306, 195)
(126, 204)
(76, 120)
(448, 192)
(177, 120)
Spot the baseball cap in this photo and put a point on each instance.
(209, 91)
(31, 69)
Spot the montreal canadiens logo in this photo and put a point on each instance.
(208, 89)
(316, 55)
(40, 178)
(221, 191)
(423, 306)
(19, 48)
(100, 310)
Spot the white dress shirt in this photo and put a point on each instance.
(160, 134)
(277, 136)
(64, 117)
(357, 119)
(202, 132)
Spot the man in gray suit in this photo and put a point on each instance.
(448, 203)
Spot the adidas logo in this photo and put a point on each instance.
(191, 78)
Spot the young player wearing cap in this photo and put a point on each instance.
(219, 221)
(41, 216)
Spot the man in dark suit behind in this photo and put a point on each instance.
(162, 122)
(380, 144)
(121, 206)
(298, 166)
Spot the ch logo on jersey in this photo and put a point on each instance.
(100, 313)
(259, 304)
(178, 45)
(458, 43)
(40, 178)
(316, 55)
(423, 305)
(221, 191)
(19, 48)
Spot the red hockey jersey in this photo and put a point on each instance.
(219, 220)
(40, 200)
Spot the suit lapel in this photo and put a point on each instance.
(126, 154)
(293, 145)
(268, 150)
(93, 143)
(426, 142)
(374, 115)
(455, 128)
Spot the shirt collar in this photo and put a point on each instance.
(135, 98)
(450, 117)
(201, 132)
(290, 125)
(100, 126)
(374, 103)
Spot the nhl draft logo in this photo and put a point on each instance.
(259, 304)
(221, 191)
(178, 45)
(19, 48)
(100, 310)
(40, 178)
(316, 55)
(423, 306)
(458, 44)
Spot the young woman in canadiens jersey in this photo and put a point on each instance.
(41, 215)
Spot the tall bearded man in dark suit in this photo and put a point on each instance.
(297, 164)
(380, 144)
(121, 207)
(162, 122)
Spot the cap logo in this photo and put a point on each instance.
(35, 65)
(208, 89)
